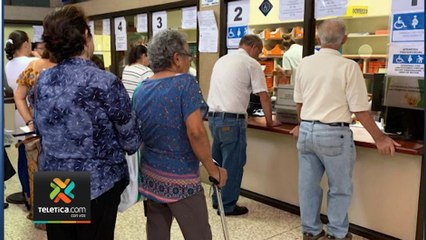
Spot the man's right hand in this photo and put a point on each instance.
(386, 145)
(295, 132)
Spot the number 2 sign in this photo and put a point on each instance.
(238, 12)
(159, 21)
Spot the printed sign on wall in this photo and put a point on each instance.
(159, 21)
(406, 60)
(408, 27)
(238, 17)
(120, 27)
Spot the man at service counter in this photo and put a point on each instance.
(234, 77)
(327, 89)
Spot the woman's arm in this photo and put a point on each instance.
(119, 110)
(20, 97)
(201, 146)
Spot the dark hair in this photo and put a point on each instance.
(14, 42)
(98, 61)
(34, 45)
(64, 32)
(288, 40)
(251, 40)
(135, 53)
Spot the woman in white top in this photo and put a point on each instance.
(18, 48)
(137, 70)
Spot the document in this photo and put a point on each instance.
(208, 32)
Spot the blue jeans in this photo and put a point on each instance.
(331, 149)
(229, 150)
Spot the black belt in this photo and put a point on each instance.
(227, 115)
(335, 124)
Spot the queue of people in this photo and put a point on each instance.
(87, 122)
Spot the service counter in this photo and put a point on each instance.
(386, 189)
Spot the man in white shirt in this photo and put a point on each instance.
(328, 88)
(234, 77)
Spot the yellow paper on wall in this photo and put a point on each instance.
(357, 11)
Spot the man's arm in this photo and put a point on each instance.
(384, 144)
(265, 101)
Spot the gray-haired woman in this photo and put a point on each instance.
(175, 141)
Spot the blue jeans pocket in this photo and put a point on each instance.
(301, 141)
(331, 145)
(228, 134)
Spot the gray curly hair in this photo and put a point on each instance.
(162, 47)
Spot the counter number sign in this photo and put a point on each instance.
(238, 12)
(159, 21)
(120, 26)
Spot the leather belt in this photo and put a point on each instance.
(335, 124)
(227, 115)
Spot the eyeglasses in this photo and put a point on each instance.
(188, 55)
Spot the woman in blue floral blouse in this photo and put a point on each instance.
(84, 118)
(175, 141)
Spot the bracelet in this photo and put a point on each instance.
(29, 122)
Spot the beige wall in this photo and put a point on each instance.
(96, 7)
(25, 13)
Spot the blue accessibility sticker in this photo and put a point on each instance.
(408, 21)
(237, 32)
(408, 59)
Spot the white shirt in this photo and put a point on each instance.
(12, 70)
(133, 75)
(234, 77)
(291, 59)
(330, 87)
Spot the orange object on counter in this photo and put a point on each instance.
(269, 66)
(297, 32)
(276, 50)
(272, 35)
(269, 82)
(382, 32)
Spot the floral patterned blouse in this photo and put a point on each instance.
(83, 115)
(170, 170)
(28, 78)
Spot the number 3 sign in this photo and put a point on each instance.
(159, 21)
(238, 12)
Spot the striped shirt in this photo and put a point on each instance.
(133, 75)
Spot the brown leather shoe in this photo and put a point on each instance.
(310, 236)
(347, 237)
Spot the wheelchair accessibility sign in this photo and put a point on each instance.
(234, 35)
(406, 59)
(408, 27)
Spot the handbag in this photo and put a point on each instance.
(131, 195)
(32, 151)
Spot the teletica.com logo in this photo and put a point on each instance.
(56, 195)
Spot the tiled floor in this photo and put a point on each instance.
(262, 222)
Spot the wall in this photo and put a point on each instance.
(96, 7)
(25, 13)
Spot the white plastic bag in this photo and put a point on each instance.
(131, 194)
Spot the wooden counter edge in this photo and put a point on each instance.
(408, 147)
